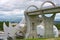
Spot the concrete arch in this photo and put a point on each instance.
(31, 6)
(50, 3)
(47, 2)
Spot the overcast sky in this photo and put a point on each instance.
(17, 7)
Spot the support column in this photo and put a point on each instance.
(33, 26)
(31, 23)
(48, 25)
(48, 22)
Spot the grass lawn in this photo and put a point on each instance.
(41, 39)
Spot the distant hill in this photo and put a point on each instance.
(11, 20)
(56, 22)
(20, 18)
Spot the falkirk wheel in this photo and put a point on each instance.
(32, 20)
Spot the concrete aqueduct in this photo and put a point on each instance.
(32, 20)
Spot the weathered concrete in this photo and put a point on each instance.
(48, 22)
(32, 20)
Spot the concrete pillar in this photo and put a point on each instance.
(31, 22)
(48, 22)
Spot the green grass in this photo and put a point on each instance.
(41, 39)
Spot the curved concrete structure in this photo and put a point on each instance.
(41, 30)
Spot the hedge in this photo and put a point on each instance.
(1, 25)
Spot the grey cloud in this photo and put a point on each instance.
(23, 5)
(16, 5)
